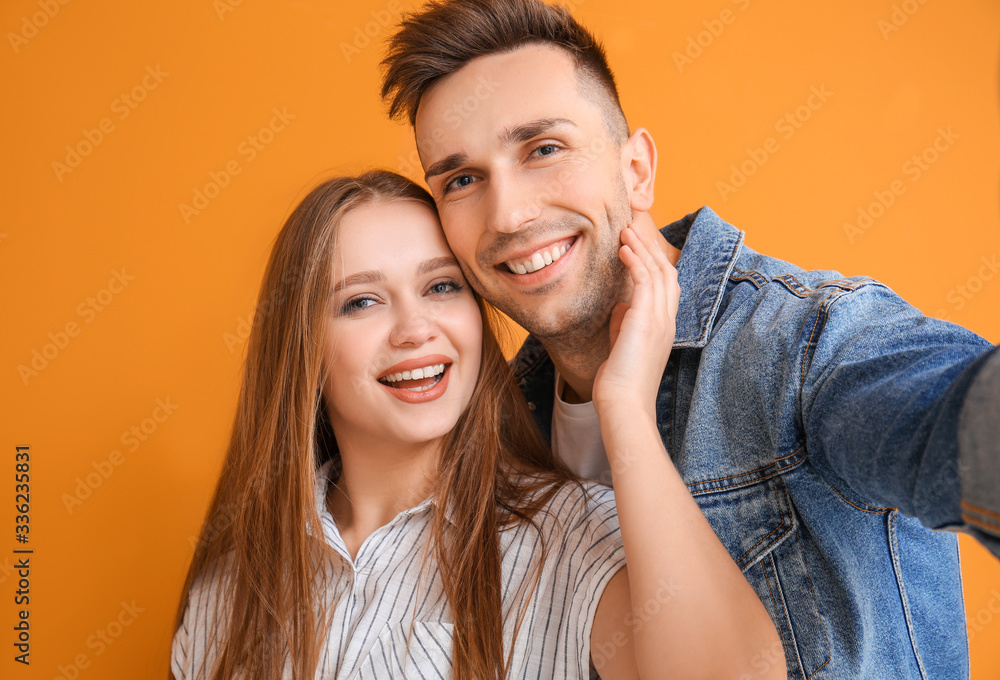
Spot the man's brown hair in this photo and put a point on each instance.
(445, 35)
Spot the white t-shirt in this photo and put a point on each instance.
(576, 438)
(378, 596)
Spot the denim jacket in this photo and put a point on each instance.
(825, 426)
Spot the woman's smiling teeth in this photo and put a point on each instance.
(538, 260)
(393, 379)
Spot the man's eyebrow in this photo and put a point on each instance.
(371, 276)
(508, 137)
(521, 133)
(437, 263)
(446, 164)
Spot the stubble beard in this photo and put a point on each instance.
(579, 330)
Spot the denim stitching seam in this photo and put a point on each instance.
(891, 522)
(826, 639)
(874, 509)
(744, 474)
(784, 610)
(781, 516)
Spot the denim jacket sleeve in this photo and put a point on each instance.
(978, 457)
(901, 410)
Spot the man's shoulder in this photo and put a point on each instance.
(704, 227)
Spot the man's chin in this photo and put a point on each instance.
(560, 325)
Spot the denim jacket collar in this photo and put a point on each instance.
(709, 249)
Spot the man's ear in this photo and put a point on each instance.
(640, 153)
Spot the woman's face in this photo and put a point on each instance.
(404, 333)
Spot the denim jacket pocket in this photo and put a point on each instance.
(759, 528)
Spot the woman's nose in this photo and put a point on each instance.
(413, 327)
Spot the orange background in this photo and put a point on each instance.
(173, 332)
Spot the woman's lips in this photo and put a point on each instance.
(420, 390)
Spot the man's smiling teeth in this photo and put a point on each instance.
(415, 374)
(538, 260)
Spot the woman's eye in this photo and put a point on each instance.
(445, 287)
(356, 305)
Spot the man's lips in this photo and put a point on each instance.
(531, 260)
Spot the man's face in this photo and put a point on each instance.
(530, 188)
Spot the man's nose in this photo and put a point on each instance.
(512, 202)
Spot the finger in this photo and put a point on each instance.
(637, 269)
(648, 244)
(653, 247)
(657, 275)
(617, 314)
(641, 241)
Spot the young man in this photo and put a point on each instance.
(824, 426)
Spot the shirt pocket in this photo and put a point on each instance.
(759, 528)
(403, 650)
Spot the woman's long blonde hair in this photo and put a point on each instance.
(491, 462)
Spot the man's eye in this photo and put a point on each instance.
(546, 149)
(459, 182)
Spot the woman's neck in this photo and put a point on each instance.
(376, 484)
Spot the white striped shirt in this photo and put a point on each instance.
(390, 620)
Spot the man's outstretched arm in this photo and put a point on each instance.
(903, 411)
(978, 458)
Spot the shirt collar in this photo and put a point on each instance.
(709, 248)
(323, 480)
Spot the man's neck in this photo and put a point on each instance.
(577, 356)
(577, 359)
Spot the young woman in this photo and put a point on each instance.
(387, 509)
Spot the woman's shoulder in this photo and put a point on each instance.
(567, 506)
(213, 583)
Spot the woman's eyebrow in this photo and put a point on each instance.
(376, 275)
(370, 276)
(437, 263)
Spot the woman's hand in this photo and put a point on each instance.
(642, 331)
(713, 625)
